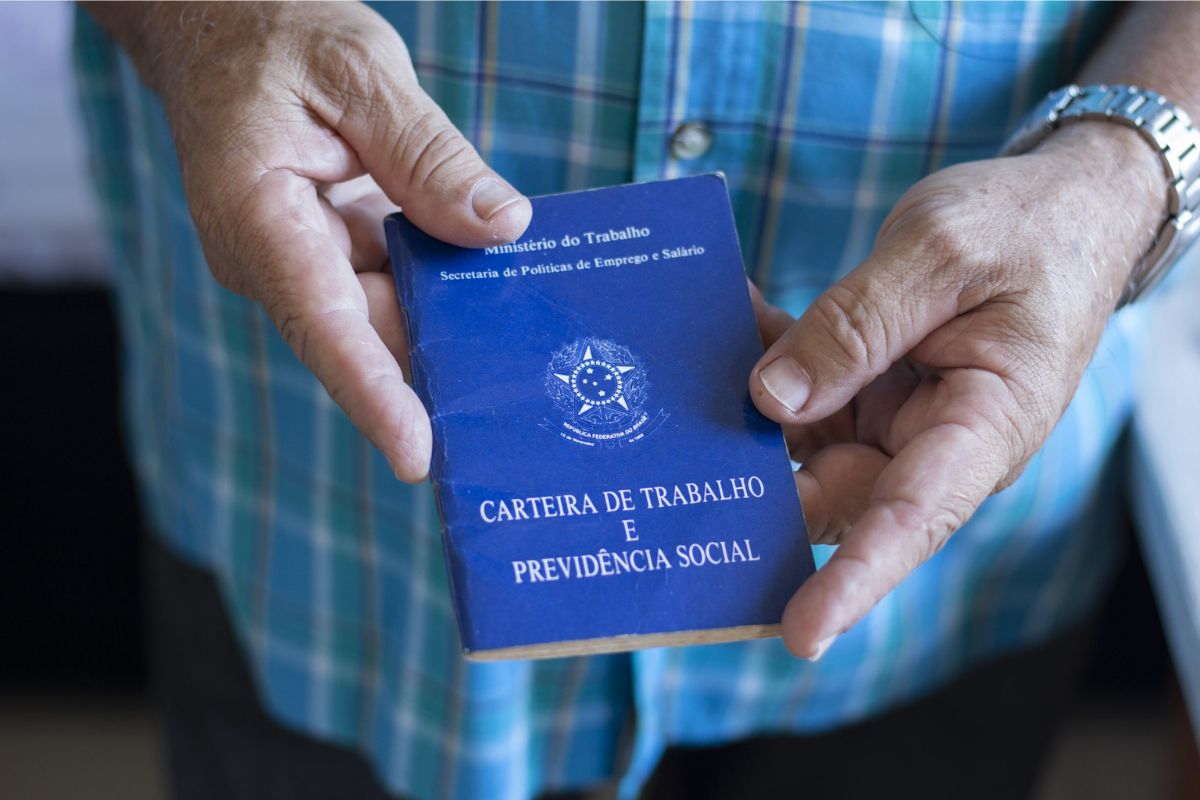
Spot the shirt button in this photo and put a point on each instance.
(691, 140)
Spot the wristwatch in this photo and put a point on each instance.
(1169, 131)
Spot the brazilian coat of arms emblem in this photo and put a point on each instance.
(600, 389)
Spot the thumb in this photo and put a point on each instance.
(849, 336)
(413, 151)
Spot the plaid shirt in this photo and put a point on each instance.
(822, 115)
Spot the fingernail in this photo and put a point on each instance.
(822, 647)
(786, 382)
(489, 197)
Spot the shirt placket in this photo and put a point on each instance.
(708, 98)
(710, 101)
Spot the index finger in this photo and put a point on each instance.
(921, 497)
(308, 287)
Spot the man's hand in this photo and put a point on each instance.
(927, 378)
(299, 126)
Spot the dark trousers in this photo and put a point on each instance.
(982, 737)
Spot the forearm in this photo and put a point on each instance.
(168, 41)
(143, 30)
(1153, 45)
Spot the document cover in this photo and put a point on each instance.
(604, 479)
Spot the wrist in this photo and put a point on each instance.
(1119, 191)
(142, 31)
(171, 44)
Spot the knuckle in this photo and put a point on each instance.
(346, 73)
(430, 151)
(937, 232)
(944, 235)
(1010, 411)
(339, 392)
(854, 325)
(929, 529)
(1009, 433)
(294, 333)
(1009, 422)
(292, 324)
(356, 69)
(864, 569)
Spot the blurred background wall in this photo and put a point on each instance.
(74, 718)
(69, 589)
(49, 224)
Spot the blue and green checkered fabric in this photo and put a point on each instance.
(822, 115)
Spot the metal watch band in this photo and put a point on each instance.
(1169, 131)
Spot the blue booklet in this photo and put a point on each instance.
(604, 479)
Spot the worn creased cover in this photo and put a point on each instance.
(604, 479)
